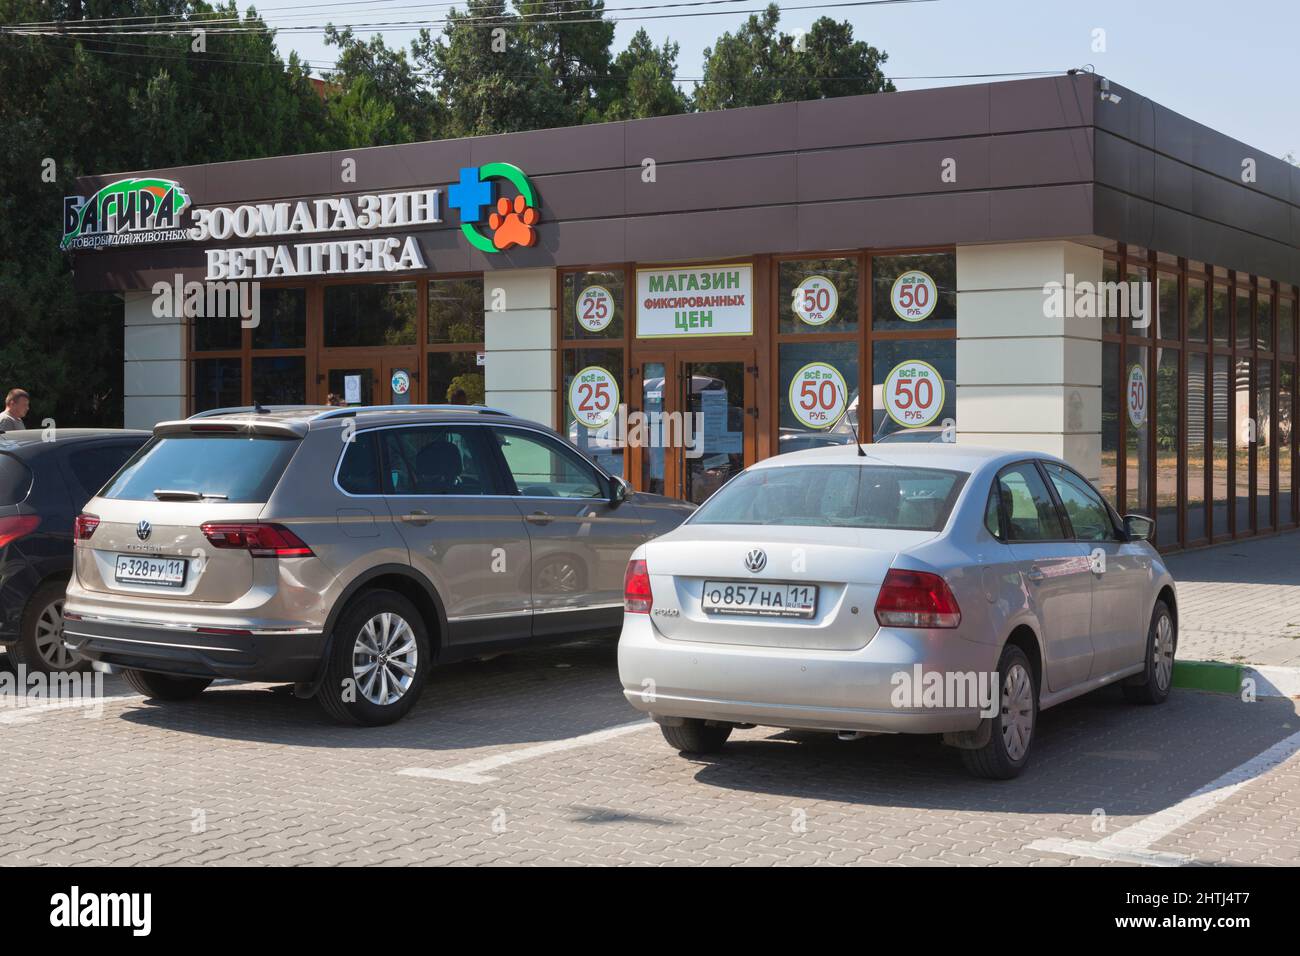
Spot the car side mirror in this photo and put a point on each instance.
(1138, 527)
(618, 491)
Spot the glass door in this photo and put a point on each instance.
(349, 383)
(369, 380)
(698, 429)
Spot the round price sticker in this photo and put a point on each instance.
(595, 308)
(815, 300)
(1137, 396)
(818, 396)
(914, 296)
(401, 382)
(913, 393)
(593, 396)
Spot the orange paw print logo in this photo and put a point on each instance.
(512, 224)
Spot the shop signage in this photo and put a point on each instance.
(1137, 396)
(818, 396)
(914, 296)
(691, 301)
(593, 396)
(913, 393)
(401, 382)
(127, 212)
(815, 300)
(595, 308)
(511, 220)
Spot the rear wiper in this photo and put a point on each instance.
(174, 494)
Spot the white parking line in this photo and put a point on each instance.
(1133, 843)
(475, 771)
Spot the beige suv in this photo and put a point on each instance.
(347, 550)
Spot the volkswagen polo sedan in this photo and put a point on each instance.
(904, 588)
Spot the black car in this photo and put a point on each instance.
(45, 479)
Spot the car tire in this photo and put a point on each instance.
(1011, 741)
(40, 644)
(379, 641)
(696, 736)
(1154, 684)
(165, 686)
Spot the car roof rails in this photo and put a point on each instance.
(255, 409)
(346, 411)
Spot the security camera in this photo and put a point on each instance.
(1106, 95)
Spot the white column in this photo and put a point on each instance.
(520, 340)
(153, 374)
(1027, 380)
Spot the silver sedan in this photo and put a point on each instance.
(906, 588)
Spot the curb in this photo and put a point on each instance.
(1221, 678)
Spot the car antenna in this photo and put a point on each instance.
(862, 453)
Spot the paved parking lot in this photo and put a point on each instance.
(535, 758)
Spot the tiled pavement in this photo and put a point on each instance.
(249, 774)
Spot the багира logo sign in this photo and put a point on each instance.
(126, 212)
(512, 221)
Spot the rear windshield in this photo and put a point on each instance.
(839, 496)
(239, 467)
(15, 480)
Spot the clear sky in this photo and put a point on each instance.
(1230, 65)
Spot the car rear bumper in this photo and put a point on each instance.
(859, 690)
(287, 654)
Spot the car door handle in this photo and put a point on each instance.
(1035, 575)
(417, 517)
(539, 517)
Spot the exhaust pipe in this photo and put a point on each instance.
(851, 734)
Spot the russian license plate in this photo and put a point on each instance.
(760, 600)
(167, 572)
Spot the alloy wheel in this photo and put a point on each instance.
(384, 658)
(49, 637)
(1017, 711)
(1164, 651)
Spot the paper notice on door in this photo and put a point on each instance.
(352, 389)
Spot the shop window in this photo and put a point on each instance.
(817, 394)
(1222, 442)
(282, 319)
(1241, 444)
(1166, 438)
(1286, 385)
(1222, 318)
(1140, 318)
(1264, 445)
(1264, 319)
(592, 390)
(819, 295)
(1195, 483)
(1111, 395)
(1137, 445)
(279, 380)
(453, 373)
(218, 383)
(1167, 306)
(1196, 310)
(914, 391)
(1286, 325)
(592, 306)
(914, 292)
(1242, 317)
(215, 333)
(456, 311)
(1110, 276)
(375, 315)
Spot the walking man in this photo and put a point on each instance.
(16, 405)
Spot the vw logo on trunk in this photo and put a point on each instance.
(143, 530)
(756, 560)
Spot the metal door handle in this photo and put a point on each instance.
(539, 517)
(417, 517)
(1035, 575)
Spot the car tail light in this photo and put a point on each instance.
(15, 526)
(916, 599)
(84, 527)
(636, 588)
(259, 539)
